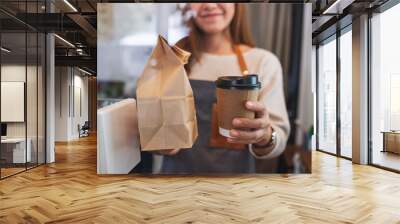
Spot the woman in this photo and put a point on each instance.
(218, 39)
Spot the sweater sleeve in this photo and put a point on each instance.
(272, 96)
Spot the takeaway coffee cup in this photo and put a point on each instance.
(232, 94)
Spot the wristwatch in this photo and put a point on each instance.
(271, 143)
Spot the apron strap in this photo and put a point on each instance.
(240, 58)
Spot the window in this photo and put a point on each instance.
(327, 97)
(385, 89)
(329, 111)
(22, 78)
(346, 94)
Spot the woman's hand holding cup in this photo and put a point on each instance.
(252, 131)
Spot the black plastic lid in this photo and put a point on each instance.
(238, 82)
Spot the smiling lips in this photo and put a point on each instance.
(211, 15)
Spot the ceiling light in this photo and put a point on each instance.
(5, 50)
(65, 41)
(84, 71)
(70, 5)
(337, 7)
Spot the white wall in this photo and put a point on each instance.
(62, 81)
(71, 94)
(33, 126)
(14, 73)
(79, 115)
(17, 73)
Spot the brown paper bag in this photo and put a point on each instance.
(166, 111)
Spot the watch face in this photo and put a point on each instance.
(273, 134)
(273, 137)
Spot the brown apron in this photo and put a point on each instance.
(201, 158)
(217, 140)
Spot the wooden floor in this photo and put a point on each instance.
(9, 171)
(69, 191)
(5, 172)
(387, 159)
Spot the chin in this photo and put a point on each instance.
(213, 29)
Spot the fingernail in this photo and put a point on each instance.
(234, 133)
(236, 121)
(249, 104)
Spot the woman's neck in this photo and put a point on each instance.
(217, 44)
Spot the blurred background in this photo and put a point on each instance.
(127, 34)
